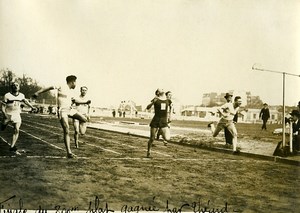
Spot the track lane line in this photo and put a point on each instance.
(40, 139)
(107, 150)
(110, 141)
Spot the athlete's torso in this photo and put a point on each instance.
(82, 108)
(64, 96)
(161, 107)
(13, 102)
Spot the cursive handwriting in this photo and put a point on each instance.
(20, 209)
(138, 208)
(59, 209)
(97, 208)
(199, 207)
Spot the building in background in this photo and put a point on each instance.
(214, 99)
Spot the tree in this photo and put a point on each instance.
(6, 77)
(28, 86)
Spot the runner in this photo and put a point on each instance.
(11, 109)
(227, 134)
(160, 120)
(228, 111)
(170, 111)
(64, 101)
(82, 105)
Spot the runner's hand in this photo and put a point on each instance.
(34, 109)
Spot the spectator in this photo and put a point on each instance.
(264, 115)
(296, 130)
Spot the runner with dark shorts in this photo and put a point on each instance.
(160, 119)
(170, 112)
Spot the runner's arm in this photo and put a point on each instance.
(3, 107)
(29, 104)
(151, 104)
(36, 94)
(88, 113)
(170, 113)
(77, 101)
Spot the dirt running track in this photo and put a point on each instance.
(112, 169)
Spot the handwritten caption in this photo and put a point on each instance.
(96, 206)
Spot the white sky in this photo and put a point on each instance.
(126, 49)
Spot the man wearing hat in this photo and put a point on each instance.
(264, 115)
(227, 134)
(228, 111)
(296, 129)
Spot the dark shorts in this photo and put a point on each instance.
(158, 122)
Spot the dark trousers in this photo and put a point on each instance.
(264, 126)
(296, 143)
(228, 136)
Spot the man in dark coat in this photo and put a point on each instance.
(296, 129)
(264, 115)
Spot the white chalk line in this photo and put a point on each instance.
(110, 141)
(33, 137)
(55, 157)
(46, 157)
(40, 139)
(5, 141)
(98, 138)
(52, 145)
(114, 159)
(107, 150)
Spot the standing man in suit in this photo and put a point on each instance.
(296, 130)
(264, 115)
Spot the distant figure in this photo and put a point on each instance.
(11, 109)
(296, 130)
(124, 114)
(50, 109)
(264, 115)
(114, 113)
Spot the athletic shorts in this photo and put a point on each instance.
(225, 124)
(64, 112)
(158, 122)
(14, 118)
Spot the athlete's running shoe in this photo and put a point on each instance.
(71, 155)
(13, 149)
